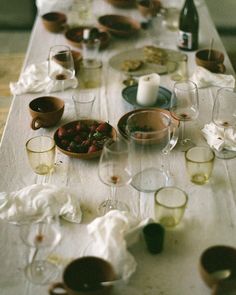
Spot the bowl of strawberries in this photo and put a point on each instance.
(83, 139)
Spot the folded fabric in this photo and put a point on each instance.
(35, 79)
(45, 6)
(38, 201)
(219, 139)
(204, 78)
(109, 233)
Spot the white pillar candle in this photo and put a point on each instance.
(148, 89)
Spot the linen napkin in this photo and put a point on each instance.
(45, 6)
(218, 139)
(204, 78)
(35, 79)
(109, 233)
(38, 201)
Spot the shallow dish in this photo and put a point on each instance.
(72, 138)
(163, 101)
(117, 60)
(74, 36)
(122, 3)
(121, 125)
(119, 25)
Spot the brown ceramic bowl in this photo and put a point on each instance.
(84, 276)
(74, 36)
(72, 138)
(218, 264)
(122, 3)
(146, 9)
(211, 60)
(46, 111)
(119, 25)
(123, 120)
(54, 21)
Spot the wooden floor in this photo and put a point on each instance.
(12, 53)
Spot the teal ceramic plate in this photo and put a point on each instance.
(163, 97)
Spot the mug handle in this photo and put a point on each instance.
(35, 123)
(55, 286)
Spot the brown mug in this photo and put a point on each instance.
(212, 60)
(84, 276)
(45, 111)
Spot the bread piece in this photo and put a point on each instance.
(154, 54)
(130, 65)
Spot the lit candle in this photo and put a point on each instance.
(148, 89)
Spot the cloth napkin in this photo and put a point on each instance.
(35, 79)
(204, 78)
(109, 233)
(38, 201)
(45, 6)
(218, 139)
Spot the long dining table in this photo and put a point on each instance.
(210, 217)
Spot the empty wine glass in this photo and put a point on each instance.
(40, 235)
(60, 64)
(224, 116)
(184, 106)
(114, 171)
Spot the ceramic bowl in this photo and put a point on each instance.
(77, 139)
(123, 120)
(146, 9)
(122, 3)
(74, 37)
(211, 60)
(119, 25)
(217, 264)
(54, 21)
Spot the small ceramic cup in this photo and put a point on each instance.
(154, 237)
(54, 21)
(85, 276)
(170, 204)
(212, 60)
(217, 267)
(45, 111)
(199, 162)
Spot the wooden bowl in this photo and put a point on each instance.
(122, 3)
(119, 25)
(74, 37)
(54, 21)
(72, 139)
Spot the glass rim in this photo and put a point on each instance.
(168, 206)
(200, 147)
(112, 140)
(189, 82)
(43, 151)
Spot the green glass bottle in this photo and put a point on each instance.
(188, 27)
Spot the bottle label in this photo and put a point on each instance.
(185, 40)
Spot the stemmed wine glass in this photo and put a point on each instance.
(184, 106)
(224, 116)
(61, 64)
(41, 235)
(114, 171)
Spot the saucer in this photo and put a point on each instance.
(163, 100)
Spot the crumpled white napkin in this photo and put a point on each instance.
(204, 78)
(38, 201)
(218, 139)
(109, 233)
(35, 79)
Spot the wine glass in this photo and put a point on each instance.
(184, 106)
(224, 116)
(60, 64)
(113, 170)
(43, 234)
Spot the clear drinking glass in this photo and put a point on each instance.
(41, 154)
(41, 235)
(114, 171)
(60, 64)
(184, 106)
(149, 137)
(224, 116)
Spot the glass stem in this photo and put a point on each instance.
(183, 131)
(62, 85)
